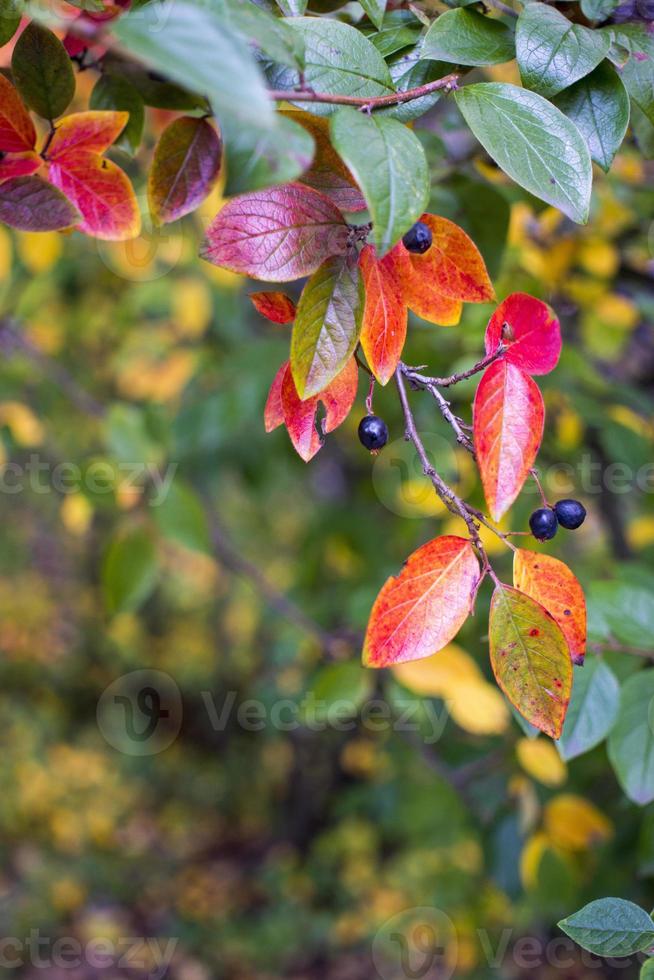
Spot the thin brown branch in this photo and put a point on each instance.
(444, 406)
(446, 84)
(424, 380)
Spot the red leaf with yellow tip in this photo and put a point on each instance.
(530, 331)
(19, 165)
(276, 307)
(101, 192)
(530, 659)
(420, 292)
(273, 413)
(17, 130)
(276, 234)
(550, 582)
(300, 416)
(420, 611)
(185, 167)
(453, 263)
(385, 313)
(508, 420)
(93, 132)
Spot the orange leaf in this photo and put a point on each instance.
(418, 612)
(300, 416)
(91, 131)
(273, 413)
(550, 582)
(420, 292)
(385, 314)
(508, 420)
(530, 658)
(16, 127)
(453, 264)
(101, 192)
(276, 307)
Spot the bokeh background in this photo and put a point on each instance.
(203, 803)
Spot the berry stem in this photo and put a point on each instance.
(446, 84)
(371, 391)
(534, 473)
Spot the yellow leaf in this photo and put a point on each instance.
(22, 422)
(39, 250)
(640, 532)
(76, 513)
(530, 859)
(618, 311)
(438, 675)
(540, 760)
(191, 307)
(569, 429)
(598, 256)
(479, 708)
(575, 823)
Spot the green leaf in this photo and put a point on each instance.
(631, 742)
(42, 71)
(598, 10)
(552, 52)
(114, 93)
(10, 14)
(339, 60)
(626, 610)
(153, 89)
(180, 517)
(129, 572)
(530, 659)
(633, 55)
(271, 34)
(643, 131)
(338, 693)
(375, 10)
(598, 105)
(610, 927)
(400, 30)
(647, 970)
(292, 8)
(327, 324)
(533, 142)
(389, 164)
(592, 711)
(260, 159)
(464, 37)
(193, 46)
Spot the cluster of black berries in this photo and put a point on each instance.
(544, 522)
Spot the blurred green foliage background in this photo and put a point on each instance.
(282, 848)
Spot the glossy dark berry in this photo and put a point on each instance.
(418, 238)
(373, 432)
(570, 513)
(543, 523)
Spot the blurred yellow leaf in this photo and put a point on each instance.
(157, 379)
(479, 708)
(569, 429)
(598, 257)
(575, 823)
(76, 513)
(5, 254)
(22, 423)
(191, 307)
(618, 311)
(640, 531)
(39, 250)
(540, 760)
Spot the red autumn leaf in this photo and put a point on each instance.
(300, 416)
(277, 234)
(327, 172)
(420, 292)
(419, 612)
(19, 165)
(273, 413)
(385, 313)
(530, 659)
(550, 582)
(453, 263)
(532, 334)
(16, 127)
(508, 420)
(185, 167)
(276, 307)
(102, 193)
(32, 204)
(93, 132)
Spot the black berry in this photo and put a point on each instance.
(570, 513)
(373, 432)
(418, 238)
(543, 523)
